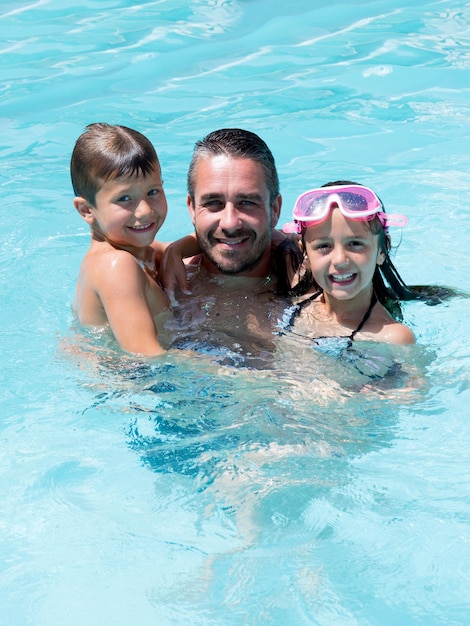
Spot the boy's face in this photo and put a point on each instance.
(129, 211)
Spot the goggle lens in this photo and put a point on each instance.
(353, 202)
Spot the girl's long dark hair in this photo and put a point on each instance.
(388, 285)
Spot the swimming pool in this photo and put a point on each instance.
(187, 493)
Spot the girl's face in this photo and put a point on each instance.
(130, 210)
(343, 255)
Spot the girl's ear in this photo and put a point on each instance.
(383, 255)
(84, 209)
(380, 257)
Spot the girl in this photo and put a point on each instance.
(344, 232)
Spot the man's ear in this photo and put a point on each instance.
(190, 205)
(276, 211)
(84, 209)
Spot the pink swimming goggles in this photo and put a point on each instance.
(354, 201)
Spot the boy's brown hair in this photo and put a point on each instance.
(103, 152)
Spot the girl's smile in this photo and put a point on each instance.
(343, 254)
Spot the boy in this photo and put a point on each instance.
(117, 182)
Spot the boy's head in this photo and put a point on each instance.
(104, 152)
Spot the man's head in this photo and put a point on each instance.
(105, 152)
(234, 201)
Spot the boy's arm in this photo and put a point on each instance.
(122, 291)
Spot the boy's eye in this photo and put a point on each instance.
(124, 198)
(153, 192)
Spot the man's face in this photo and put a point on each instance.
(232, 215)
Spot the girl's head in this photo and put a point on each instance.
(104, 152)
(357, 204)
(342, 255)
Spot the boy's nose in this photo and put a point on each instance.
(143, 209)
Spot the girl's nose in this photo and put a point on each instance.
(339, 257)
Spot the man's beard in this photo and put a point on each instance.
(233, 263)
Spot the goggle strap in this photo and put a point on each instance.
(392, 219)
(292, 227)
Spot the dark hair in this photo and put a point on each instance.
(388, 285)
(103, 152)
(236, 143)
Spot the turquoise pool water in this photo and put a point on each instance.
(186, 493)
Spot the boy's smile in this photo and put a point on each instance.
(130, 210)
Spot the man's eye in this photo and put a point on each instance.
(212, 204)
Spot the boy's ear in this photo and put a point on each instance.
(84, 208)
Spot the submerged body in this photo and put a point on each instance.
(233, 318)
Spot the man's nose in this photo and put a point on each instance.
(229, 218)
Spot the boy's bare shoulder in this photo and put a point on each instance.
(103, 263)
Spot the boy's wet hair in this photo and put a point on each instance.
(240, 144)
(104, 152)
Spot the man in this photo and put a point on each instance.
(244, 264)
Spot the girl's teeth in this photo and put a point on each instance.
(342, 277)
